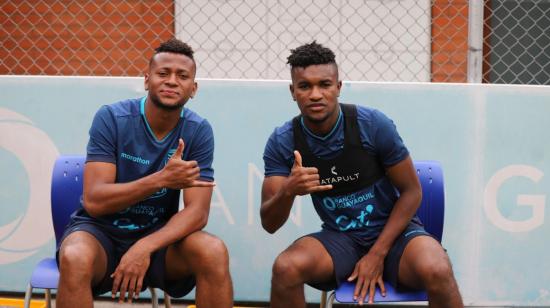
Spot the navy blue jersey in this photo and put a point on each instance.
(121, 135)
(364, 212)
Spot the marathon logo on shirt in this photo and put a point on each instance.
(135, 159)
(337, 178)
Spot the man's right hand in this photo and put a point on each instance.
(303, 180)
(179, 174)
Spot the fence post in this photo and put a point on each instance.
(475, 41)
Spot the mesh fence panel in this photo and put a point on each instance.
(518, 47)
(449, 41)
(61, 37)
(374, 40)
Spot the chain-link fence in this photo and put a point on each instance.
(497, 41)
(518, 45)
(373, 40)
(62, 37)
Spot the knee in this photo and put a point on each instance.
(209, 253)
(213, 250)
(286, 270)
(74, 261)
(437, 274)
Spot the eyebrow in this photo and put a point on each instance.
(169, 68)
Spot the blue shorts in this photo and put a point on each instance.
(345, 253)
(115, 247)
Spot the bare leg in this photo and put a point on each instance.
(204, 256)
(306, 260)
(425, 264)
(82, 264)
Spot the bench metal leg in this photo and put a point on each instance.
(48, 298)
(330, 299)
(154, 298)
(167, 300)
(28, 295)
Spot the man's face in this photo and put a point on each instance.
(316, 89)
(171, 80)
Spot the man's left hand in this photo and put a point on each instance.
(368, 272)
(128, 275)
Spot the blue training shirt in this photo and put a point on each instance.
(363, 213)
(121, 135)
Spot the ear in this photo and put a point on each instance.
(339, 87)
(146, 82)
(194, 91)
(291, 88)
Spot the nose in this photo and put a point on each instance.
(315, 94)
(171, 79)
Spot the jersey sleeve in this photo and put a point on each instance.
(203, 150)
(275, 161)
(388, 144)
(102, 143)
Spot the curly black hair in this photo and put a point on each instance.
(174, 45)
(310, 54)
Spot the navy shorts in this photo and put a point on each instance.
(116, 247)
(345, 253)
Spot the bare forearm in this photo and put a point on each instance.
(402, 213)
(108, 198)
(274, 211)
(279, 192)
(179, 226)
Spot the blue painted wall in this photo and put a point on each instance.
(492, 140)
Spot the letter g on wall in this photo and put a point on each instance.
(536, 202)
(32, 228)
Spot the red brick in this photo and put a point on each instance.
(74, 7)
(107, 44)
(4, 70)
(66, 18)
(124, 7)
(25, 43)
(25, 61)
(24, 8)
(141, 44)
(9, 60)
(41, 8)
(42, 43)
(58, 62)
(18, 69)
(51, 70)
(116, 71)
(42, 61)
(91, 7)
(107, 7)
(132, 18)
(58, 7)
(82, 17)
(17, 18)
(8, 7)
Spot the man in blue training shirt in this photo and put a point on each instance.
(129, 234)
(364, 187)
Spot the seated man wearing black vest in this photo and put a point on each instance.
(363, 184)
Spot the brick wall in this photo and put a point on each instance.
(105, 38)
(449, 40)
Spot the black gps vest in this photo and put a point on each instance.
(352, 170)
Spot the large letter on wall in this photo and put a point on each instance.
(535, 201)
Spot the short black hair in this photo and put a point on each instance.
(310, 54)
(174, 45)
